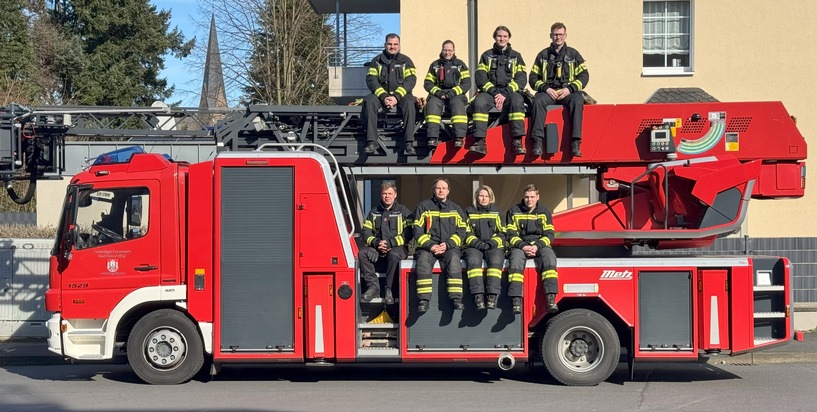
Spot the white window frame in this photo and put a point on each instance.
(672, 71)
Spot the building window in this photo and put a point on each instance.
(667, 37)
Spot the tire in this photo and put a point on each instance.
(164, 348)
(580, 348)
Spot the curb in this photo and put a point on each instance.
(762, 358)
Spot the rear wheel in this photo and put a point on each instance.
(580, 348)
(164, 348)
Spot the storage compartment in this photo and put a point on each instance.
(665, 311)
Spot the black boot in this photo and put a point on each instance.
(371, 148)
(517, 305)
(479, 300)
(575, 148)
(491, 301)
(518, 148)
(389, 298)
(551, 299)
(479, 147)
(408, 149)
(457, 304)
(371, 293)
(432, 142)
(422, 307)
(458, 142)
(537, 146)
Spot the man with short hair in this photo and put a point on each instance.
(530, 230)
(440, 230)
(391, 78)
(386, 231)
(558, 75)
(447, 82)
(500, 77)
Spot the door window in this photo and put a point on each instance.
(106, 216)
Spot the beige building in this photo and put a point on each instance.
(736, 50)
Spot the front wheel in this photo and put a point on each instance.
(164, 348)
(580, 348)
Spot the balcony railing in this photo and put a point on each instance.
(350, 56)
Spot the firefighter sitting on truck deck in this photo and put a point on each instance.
(386, 231)
(558, 75)
(530, 230)
(391, 78)
(500, 77)
(447, 82)
(486, 241)
(439, 229)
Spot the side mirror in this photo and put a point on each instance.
(68, 242)
(135, 211)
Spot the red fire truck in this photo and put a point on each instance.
(250, 257)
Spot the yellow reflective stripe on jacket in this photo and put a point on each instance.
(400, 91)
(487, 86)
(430, 77)
(514, 87)
(372, 71)
(457, 89)
(380, 91)
(434, 89)
(423, 239)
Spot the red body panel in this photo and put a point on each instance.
(320, 316)
(615, 134)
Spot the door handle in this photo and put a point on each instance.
(145, 268)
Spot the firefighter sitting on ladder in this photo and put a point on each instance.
(500, 77)
(440, 230)
(447, 82)
(391, 78)
(530, 230)
(486, 241)
(386, 231)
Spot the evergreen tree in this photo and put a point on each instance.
(123, 43)
(16, 53)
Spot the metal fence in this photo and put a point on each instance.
(802, 251)
(23, 282)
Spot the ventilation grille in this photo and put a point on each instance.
(738, 124)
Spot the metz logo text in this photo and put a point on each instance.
(616, 275)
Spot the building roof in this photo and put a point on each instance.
(355, 6)
(680, 95)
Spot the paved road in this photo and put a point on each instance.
(698, 387)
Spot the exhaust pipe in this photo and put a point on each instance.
(506, 361)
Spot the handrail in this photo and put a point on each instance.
(335, 175)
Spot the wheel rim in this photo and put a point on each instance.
(581, 349)
(165, 348)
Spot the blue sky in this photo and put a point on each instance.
(187, 79)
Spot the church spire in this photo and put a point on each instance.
(213, 94)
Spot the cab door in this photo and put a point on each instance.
(116, 247)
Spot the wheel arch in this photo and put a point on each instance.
(623, 330)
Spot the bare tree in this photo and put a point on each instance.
(275, 51)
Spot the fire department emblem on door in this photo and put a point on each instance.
(113, 265)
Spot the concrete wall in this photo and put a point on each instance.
(764, 52)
